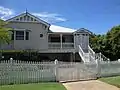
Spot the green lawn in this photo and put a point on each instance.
(40, 86)
(112, 80)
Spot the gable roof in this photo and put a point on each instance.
(59, 29)
(35, 19)
(83, 30)
(52, 28)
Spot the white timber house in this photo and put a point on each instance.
(52, 42)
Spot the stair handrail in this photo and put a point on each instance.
(101, 57)
(81, 52)
(80, 49)
(91, 52)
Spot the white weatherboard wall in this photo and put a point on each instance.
(35, 41)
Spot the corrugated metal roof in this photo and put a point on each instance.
(55, 28)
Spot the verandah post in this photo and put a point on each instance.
(61, 41)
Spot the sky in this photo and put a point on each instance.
(98, 16)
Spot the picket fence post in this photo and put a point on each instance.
(56, 70)
(11, 72)
(98, 67)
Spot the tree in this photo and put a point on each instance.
(108, 44)
(4, 32)
(113, 43)
(97, 42)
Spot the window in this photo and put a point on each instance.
(83, 34)
(55, 39)
(17, 19)
(68, 38)
(25, 17)
(31, 19)
(12, 36)
(35, 20)
(21, 18)
(41, 35)
(28, 18)
(27, 36)
(19, 35)
(45, 27)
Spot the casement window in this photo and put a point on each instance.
(31, 19)
(19, 35)
(45, 26)
(41, 35)
(83, 34)
(35, 20)
(27, 36)
(25, 18)
(12, 36)
(28, 18)
(21, 18)
(17, 19)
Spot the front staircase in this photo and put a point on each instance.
(90, 55)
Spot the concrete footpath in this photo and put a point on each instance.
(89, 85)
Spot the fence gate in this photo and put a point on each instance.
(76, 71)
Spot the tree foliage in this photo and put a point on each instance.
(4, 32)
(108, 44)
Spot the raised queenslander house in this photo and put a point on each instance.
(30, 32)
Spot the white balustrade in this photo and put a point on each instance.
(58, 45)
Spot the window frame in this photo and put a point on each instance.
(41, 35)
(18, 36)
(27, 35)
(21, 18)
(12, 35)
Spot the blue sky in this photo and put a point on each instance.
(96, 15)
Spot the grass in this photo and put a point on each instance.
(39, 86)
(112, 80)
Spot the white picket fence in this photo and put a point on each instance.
(109, 68)
(16, 71)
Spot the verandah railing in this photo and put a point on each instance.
(59, 45)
